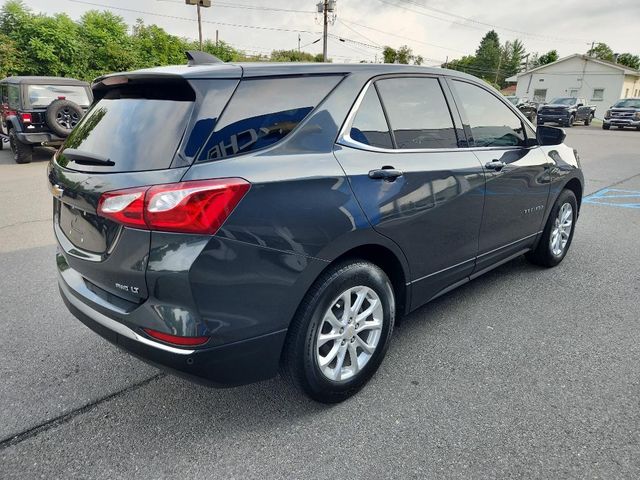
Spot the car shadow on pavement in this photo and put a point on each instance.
(40, 154)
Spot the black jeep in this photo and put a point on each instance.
(40, 111)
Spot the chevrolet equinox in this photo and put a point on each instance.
(229, 221)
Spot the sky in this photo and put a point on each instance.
(435, 29)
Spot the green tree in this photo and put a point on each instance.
(404, 54)
(629, 60)
(601, 51)
(464, 64)
(11, 61)
(106, 44)
(294, 56)
(513, 54)
(488, 56)
(153, 46)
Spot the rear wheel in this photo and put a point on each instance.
(558, 232)
(587, 121)
(22, 152)
(341, 332)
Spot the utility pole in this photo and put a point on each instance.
(198, 4)
(325, 7)
(298, 43)
(325, 11)
(498, 70)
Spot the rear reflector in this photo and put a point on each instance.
(176, 340)
(200, 206)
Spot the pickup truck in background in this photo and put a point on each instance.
(625, 113)
(565, 111)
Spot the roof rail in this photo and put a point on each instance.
(197, 57)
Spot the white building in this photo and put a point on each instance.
(600, 82)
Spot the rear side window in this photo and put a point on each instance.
(13, 94)
(43, 95)
(263, 111)
(492, 123)
(369, 125)
(418, 113)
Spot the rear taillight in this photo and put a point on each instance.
(200, 206)
(175, 339)
(25, 117)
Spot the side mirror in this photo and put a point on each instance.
(550, 135)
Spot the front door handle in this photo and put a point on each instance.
(385, 173)
(495, 165)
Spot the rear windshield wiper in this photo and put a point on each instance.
(87, 158)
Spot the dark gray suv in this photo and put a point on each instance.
(230, 221)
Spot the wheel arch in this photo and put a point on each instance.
(576, 187)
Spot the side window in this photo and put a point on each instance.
(492, 123)
(418, 113)
(3, 93)
(263, 111)
(14, 96)
(369, 125)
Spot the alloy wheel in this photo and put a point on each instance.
(561, 229)
(349, 333)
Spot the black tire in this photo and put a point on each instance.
(571, 121)
(587, 121)
(606, 127)
(62, 116)
(300, 362)
(22, 152)
(543, 255)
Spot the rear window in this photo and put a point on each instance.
(43, 95)
(134, 128)
(263, 111)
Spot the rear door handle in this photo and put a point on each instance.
(385, 173)
(494, 165)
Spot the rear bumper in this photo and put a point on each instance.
(39, 138)
(233, 364)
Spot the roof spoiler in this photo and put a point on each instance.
(196, 57)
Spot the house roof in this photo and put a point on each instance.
(617, 66)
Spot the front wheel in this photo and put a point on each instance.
(341, 332)
(558, 232)
(571, 121)
(605, 126)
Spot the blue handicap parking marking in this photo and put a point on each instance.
(614, 197)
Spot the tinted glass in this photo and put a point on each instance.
(418, 113)
(628, 103)
(369, 125)
(264, 111)
(43, 95)
(492, 123)
(134, 133)
(14, 96)
(563, 101)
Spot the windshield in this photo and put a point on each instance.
(628, 103)
(513, 100)
(563, 101)
(43, 95)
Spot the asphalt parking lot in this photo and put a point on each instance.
(523, 373)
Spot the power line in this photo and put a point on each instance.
(358, 33)
(402, 36)
(245, 6)
(467, 19)
(256, 27)
(477, 22)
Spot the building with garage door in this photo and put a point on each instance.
(600, 82)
